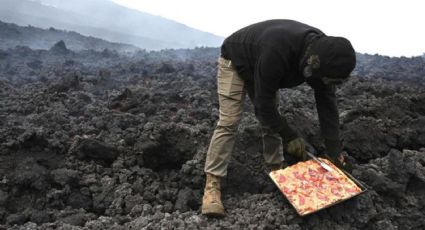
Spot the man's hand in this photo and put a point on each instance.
(296, 148)
(341, 161)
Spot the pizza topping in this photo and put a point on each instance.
(314, 175)
(312, 172)
(335, 191)
(322, 196)
(288, 190)
(282, 179)
(301, 200)
(351, 190)
(331, 178)
(299, 176)
(321, 170)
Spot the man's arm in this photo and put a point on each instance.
(268, 71)
(328, 117)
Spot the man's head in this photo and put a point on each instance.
(331, 59)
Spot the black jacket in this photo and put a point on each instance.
(270, 55)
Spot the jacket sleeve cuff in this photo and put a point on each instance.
(288, 134)
(333, 147)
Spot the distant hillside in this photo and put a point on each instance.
(12, 35)
(394, 68)
(107, 20)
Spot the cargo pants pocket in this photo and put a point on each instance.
(230, 88)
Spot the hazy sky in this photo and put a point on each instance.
(387, 27)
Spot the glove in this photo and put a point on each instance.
(296, 148)
(340, 161)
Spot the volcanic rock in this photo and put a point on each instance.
(103, 140)
(96, 150)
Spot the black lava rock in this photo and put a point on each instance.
(96, 150)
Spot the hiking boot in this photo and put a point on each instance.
(211, 202)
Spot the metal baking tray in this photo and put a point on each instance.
(361, 185)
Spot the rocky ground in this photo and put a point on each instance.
(100, 140)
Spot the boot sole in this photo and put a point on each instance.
(213, 211)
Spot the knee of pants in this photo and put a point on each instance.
(230, 125)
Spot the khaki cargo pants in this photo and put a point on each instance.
(231, 94)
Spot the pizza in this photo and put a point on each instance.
(309, 187)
